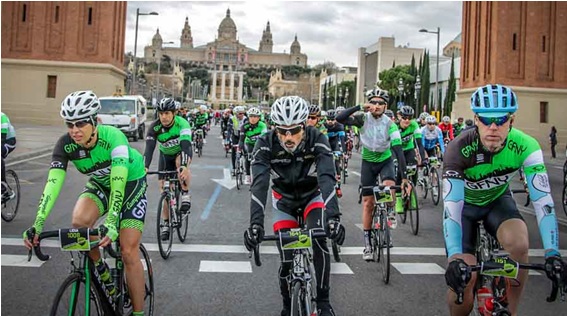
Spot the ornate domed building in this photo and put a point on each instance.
(225, 56)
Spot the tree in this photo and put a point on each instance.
(330, 66)
(451, 90)
(389, 80)
(425, 83)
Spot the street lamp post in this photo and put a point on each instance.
(136, 43)
(436, 106)
(417, 88)
(400, 90)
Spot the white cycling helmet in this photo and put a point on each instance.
(254, 111)
(423, 115)
(431, 119)
(289, 111)
(446, 119)
(79, 105)
(203, 107)
(239, 109)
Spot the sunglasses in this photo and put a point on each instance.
(312, 117)
(292, 131)
(499, 121)
(407, 118)
(430, 123)
(377, 102)
(78, 124)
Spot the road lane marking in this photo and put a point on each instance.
(418, 268)
(28, 159)
(111, 262)
(20, 261)
(211, 202)
(225, 266)
(355, 173)
(340, 268)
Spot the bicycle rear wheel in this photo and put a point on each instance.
(413, 211)
(384, 247)
(435, 191)
(10, 207)
(71, 298)
(297, 299)
(182, 220)
(149, 281)
(164, 245)
(200, 146)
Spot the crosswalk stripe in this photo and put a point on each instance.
(225, 266)
(340, 268)
(111, 262)
(20, 261)
(418, 268)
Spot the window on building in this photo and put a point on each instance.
(543, 112)
(56, 14)
(24, 12)
(543, 44)
(514, 37)
(51, 86)
(90, 17)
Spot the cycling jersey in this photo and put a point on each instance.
(410, 136)
(111, 163)
(472, 175)
(431, 137)
(8, 137)
(249, 133)
(447, 130)
(172, 140)
(201, 119)
(336, 135)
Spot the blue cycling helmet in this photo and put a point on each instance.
(494, 99)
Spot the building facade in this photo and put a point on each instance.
(304, 86)
(521, 45)
(226, 57)
(378, 57)
(344, 74)
(50, 49)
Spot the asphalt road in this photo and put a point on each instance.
(218, 219)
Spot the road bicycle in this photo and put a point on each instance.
(429, 180)
(170, 199)
(380, 229)
(410, 203)
(496, 274)
(83, 291)
(239, 168)
(302, 278)
(226, 144)
(199, 135)
(340, 172)
(11, 202)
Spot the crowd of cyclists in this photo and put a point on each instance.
(298, 146)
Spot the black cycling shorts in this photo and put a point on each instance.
(369, 172)
(133, 212)
(166, 163)
(492, 215)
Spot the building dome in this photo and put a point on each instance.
(157, 40)
(295, 47)
(227, 27)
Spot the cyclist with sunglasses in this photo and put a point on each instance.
(249, 134)
(173, 133)
(432, 137)
(233, 128)
(300, 158)
(116, 186)
(478, 168)
(379, 137)
(336, 135)
(411, 135)
(314, 118)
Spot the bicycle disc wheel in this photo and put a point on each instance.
(164, 245)
(384, 246)
(297, 297)
(10, 207)
(71, 298)
(413, 211)
(435, 192)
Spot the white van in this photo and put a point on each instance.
(127, 113)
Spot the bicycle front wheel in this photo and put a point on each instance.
(182, 219)
(297, 298)
(343, 169)
(434, 184)
(10, 206)
(384, 247)
(149, 281)
(164, 245)
(71, 298)
(413, 212)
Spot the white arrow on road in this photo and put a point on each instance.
(227, 181)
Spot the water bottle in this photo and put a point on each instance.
(484, 300)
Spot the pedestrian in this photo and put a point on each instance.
(553, 141)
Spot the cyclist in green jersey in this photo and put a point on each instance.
(8, 145)
(116, 185)
(173, 133)
(477, 170)
(379, 137)
(314, 118)
(201, 121)
(250, 131)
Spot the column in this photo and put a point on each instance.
(214, 88)
(240, 83)
(231, 97)
(222, 85)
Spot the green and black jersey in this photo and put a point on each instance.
(249, 133)
(111, 162)
(201, 119)
(172, 140)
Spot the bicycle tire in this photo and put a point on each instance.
(424, 188)
(149, 298)
(297, 295)
(565, 172)
(343, 169)
(565, 198)
(164, 252)
(182, 219)
(435, 186)
(384, 247)
(375, 232)
(14, 184)
(336, 251)
(200, 147)
(413, 213)
(71, 283)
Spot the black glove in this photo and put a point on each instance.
(253, 236)
(335, 230)
(455, 278)
(553, 265)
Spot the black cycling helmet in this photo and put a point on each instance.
(166, 104)
(469, 122)
(376, 92)
(407, 110)
(314, 109)
(331, 115)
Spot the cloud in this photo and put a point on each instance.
(326, 30)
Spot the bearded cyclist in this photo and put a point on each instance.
(249, 134)
(379, 137)
(477, 170)
(303, 179)
(116, 179)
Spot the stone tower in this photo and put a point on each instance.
(186, 39)
(266, 44)
(157, 40)
(295, 47)
(227, 28)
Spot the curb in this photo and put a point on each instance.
(18, 159)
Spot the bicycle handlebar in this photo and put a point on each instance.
(55, 234)
(523, 191)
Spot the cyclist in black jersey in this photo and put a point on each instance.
(336, 135)
(300, 159)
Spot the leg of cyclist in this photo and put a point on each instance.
(368, 175)
(233, 154)
(247, 150)
(165, 164)
(386, 171)
(185, 184)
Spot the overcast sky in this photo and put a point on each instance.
(326, 30)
